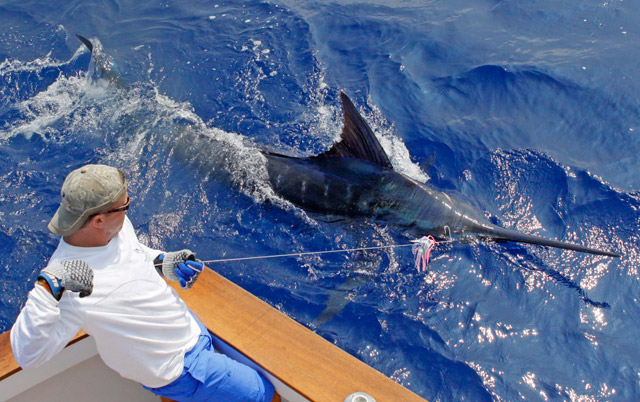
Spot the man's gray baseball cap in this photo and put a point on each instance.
(86, 191)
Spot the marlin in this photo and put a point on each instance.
(355, 178)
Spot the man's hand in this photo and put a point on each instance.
(73, 275)
(181, 266)
(188, 272)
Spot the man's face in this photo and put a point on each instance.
(115, 220)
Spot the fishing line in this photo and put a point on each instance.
(421, 249)
(307, 253)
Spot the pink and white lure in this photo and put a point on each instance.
(422, 251)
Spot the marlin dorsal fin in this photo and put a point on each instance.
(357, 140)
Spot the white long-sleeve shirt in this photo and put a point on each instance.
(141, 327)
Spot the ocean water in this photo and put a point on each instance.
(527, 110)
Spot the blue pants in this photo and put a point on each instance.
(211, 376)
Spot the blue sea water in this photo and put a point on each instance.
(529, 110)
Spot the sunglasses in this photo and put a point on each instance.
(118, 209)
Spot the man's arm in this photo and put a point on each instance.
(39, 332)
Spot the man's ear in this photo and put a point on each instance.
(97, 221)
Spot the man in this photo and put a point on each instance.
(103, 280)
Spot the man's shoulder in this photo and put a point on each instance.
(61, 250)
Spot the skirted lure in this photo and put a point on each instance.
(422, 251)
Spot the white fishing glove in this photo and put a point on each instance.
(181, 266)
(73, 275)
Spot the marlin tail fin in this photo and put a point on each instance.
(86, 42)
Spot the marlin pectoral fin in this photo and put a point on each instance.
(339, 298)
(357, 140)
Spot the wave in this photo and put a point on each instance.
(528, 108)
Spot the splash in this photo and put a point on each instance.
(395, 148)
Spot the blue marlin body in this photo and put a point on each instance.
(355, 178)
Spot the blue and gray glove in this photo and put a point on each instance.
(73, 275)
(181, 266)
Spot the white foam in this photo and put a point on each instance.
(395, 148)
(8, 66)
(59, 101)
